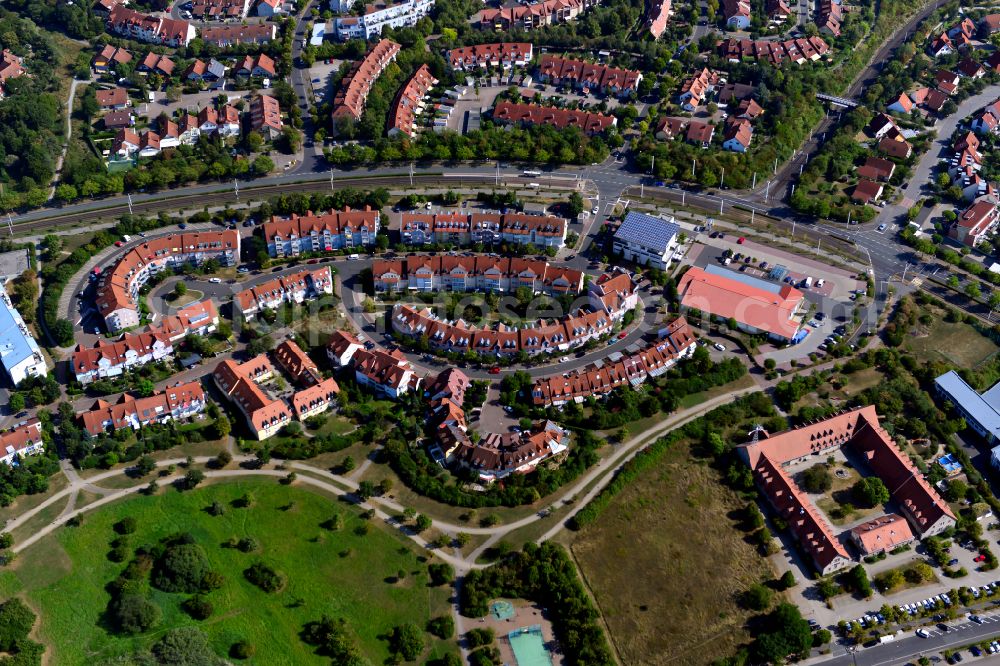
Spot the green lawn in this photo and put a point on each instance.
(957, 343)
(340, 574)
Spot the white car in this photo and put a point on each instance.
(594, 210)
(216, 280)
(719, 347)
(922, 633)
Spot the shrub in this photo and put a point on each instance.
(406, 642)
(242, 650)
(198, 607)
(184, 646)
(443, 627)
(817, 479)
(248, 545)
(787, 580)
(126, 525)
(213, 580)
(265, 577)
(134, 614)
(440, 573)
(332, 640)
(758, 597)
(479, 637)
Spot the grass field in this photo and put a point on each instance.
(957, 343)
(666, 563)
(341, 574)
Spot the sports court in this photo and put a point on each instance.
(528, 646)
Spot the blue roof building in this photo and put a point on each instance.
(981, 411)
(19, 353)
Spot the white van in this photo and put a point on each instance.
(353, 257)
(808, 282)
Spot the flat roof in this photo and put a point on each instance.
(648, 231)
(16, 343)
(984, 408)
(748, 280)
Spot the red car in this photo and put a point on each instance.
(622, 335)
(741, 241)
(313, 261)
(980, 558)
(495, 370)
(119, 243)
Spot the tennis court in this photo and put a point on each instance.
(528, 646)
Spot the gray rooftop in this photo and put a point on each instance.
(648, 231)
(749, 280)
(984, 408)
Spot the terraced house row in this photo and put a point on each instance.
(349, 101)
(588, 76)
(118, 286)
(483, 56)
(447, 273)
(410, 102)
(175, 402)
(551, 336)
(798, 51)
(486, 228)
(676, 342)
(334, 230)
(536, 114)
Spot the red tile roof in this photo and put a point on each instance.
(724, 297)
(591, 75)
(358, 82)
(535, 114)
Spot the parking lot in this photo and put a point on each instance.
(321, 76)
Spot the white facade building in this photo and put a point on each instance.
(19, 351)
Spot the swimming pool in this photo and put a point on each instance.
(529, 646)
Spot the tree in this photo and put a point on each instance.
(192, 478)
(787, 633)
(870, 491)
(16, 620)
(145, 465)
(817, 479)
(262, 165)
(758, 597)
(422, 523)
(16, 402)
(366, 490)
(185, 646)
(127, 525)
(440, 573)
(180, 289)
(575, 205)
(787, 580)
(224, 457)
(406, 641)
(181, 568)
(859, 580)
(223, 426)
(332, 640)
(62, 331)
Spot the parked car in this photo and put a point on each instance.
(741, 240)
(980, 558)
(495, 370)
(719, 347)
(923, 633)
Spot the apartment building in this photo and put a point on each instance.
(148, 28)
(195, 319)
(341, 347)
(110, 359)
(220, 10)
(389, 373)
(118, 286)
(498, 455)
(334, 230)
(265, 117)
(19, 352)
(530, 17)
(241, 383)
(976, 223)
(378, 15)
(349, 102)
(536, 114)
(233, 35)
(176, 402)
(798, 51)
(487, 228)
(297, 364)
(480, 273)
(293, 288)
(614, 294)
(646, 240)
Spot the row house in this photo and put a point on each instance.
(535, 114)
(224, 121)
(676, 342)
(180, 401)
(976, 223)
(195, 319)
(410, 102)
(234, 35)
(696, 89)
(220, 10)
(265, 116)
(154, 63)
(293, 288)
(110, 359)
(148, 28)
(829, 16)
(260, 65)
(241, 383)
(21, 441)
(588, 76)
(357, 83)
(560, 335)
(531, 17)
(378, 15)
(326, 232)
(482, 56)
(109, 58)
(118, 286)
(658, 16)
(199, 70)
(798, 51)
(480, 273)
